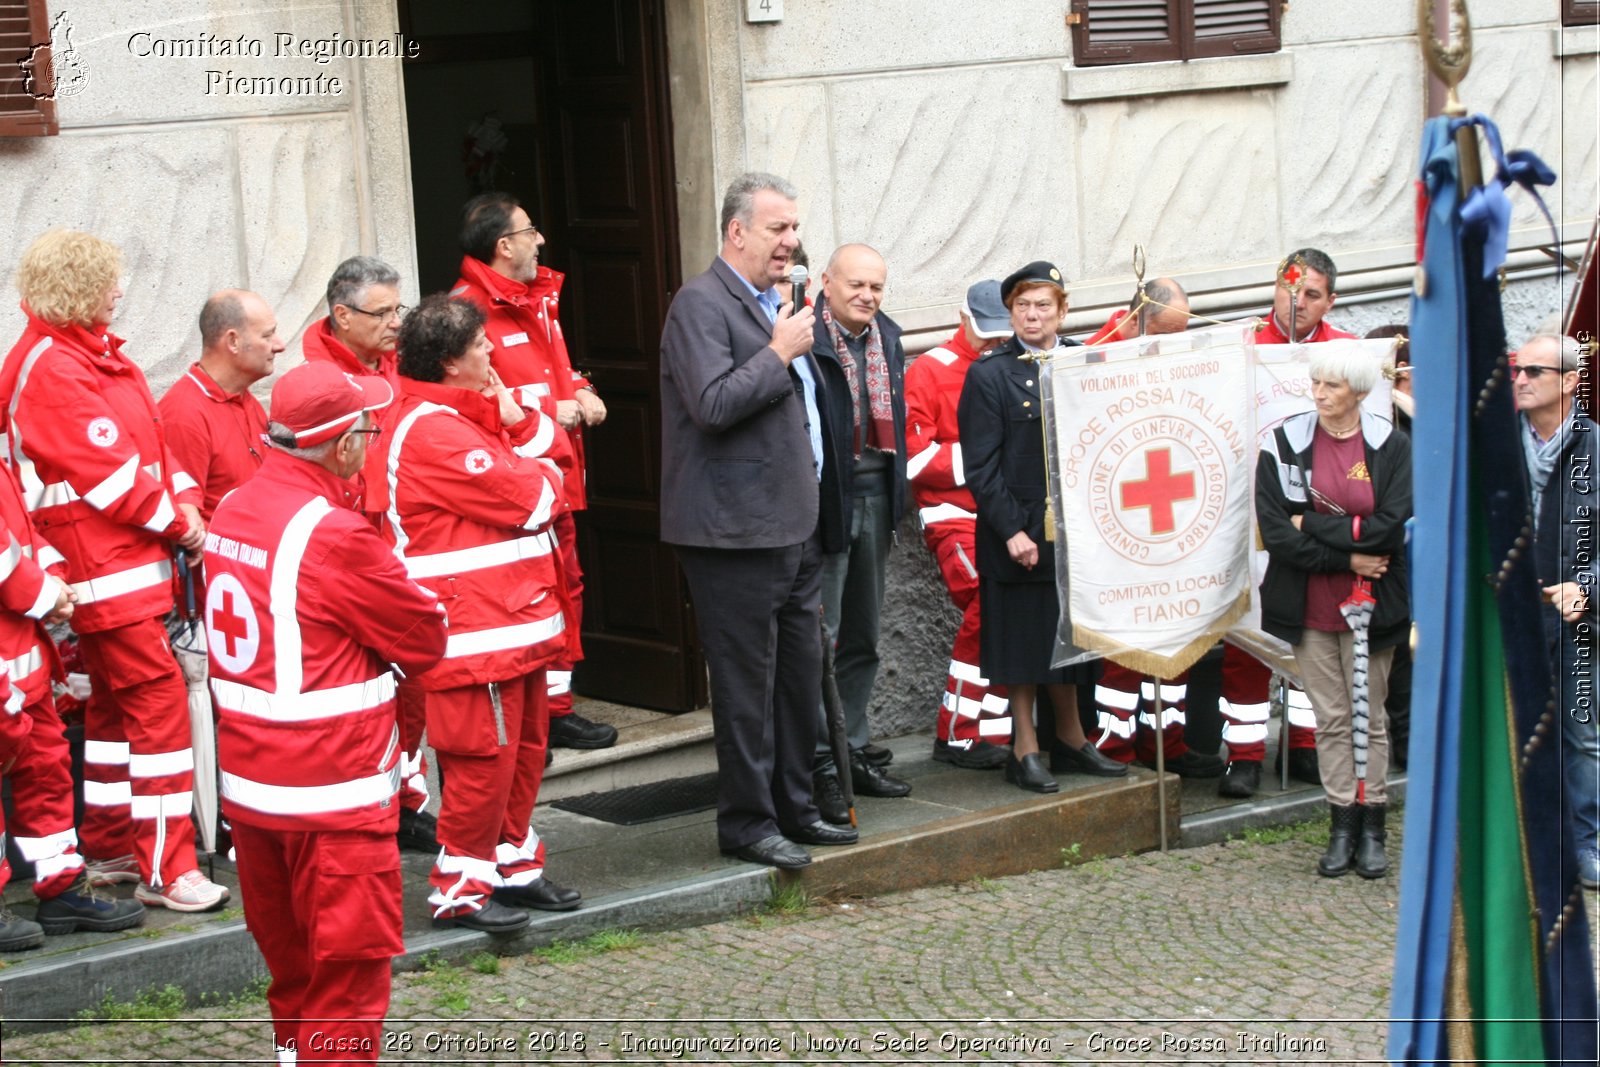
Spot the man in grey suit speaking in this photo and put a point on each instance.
(741, 450)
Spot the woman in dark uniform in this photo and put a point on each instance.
(1002, 444)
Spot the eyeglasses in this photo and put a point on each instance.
(1533, 371)
(373, 430)
(397, 312)
(526, 229)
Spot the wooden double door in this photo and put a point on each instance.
(588, 151)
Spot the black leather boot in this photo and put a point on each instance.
(1346, 823)
(1371, 860)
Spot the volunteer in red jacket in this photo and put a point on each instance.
(359, 337)
(1246, 702)
(974, 721)
(33, 746)
(89, 450)
(470, 514)
(306, 608)
(214, 423)
(500, 272)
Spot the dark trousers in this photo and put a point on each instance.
(757, 611)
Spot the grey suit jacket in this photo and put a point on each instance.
(736, 463)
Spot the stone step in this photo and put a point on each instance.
(651, 746)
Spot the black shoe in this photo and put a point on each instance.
(1371, 860)
(1241, 779)
(872, 781)
(1087, 760)
(877, 755)
(1345, 823)
(574, 731)
(492, 918)
(829, 798)
(82, 908)
(542, 894)
(973, 755)
(17, 933)
(1193, 764)
(774, 851)
(1029, 773)
(820, 833)
(418, 831)
(1302, 765)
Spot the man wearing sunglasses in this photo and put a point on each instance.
(1558, 445)
(359, 337)
(501, 273)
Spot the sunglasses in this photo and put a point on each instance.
(1534, 372)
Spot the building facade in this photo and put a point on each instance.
(220, 143)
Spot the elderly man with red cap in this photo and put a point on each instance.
(306, 608)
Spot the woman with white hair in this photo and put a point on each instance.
(1333, 493)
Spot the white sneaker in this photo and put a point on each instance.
(112, 871)
(191, 891)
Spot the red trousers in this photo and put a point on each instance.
(324, 909)
(138, 766)
(1245, 708)
(412, 718)
(972, 709)
(558, 676)
(41, 801)
(492, 762)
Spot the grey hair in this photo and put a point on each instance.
(1346, 363)
(1571, 350)
(352, 278)
(739, 202)
(281, 438)
(223, 312)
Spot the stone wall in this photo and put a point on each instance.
(961, 142)
(208, 189)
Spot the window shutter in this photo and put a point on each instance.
(1580, 12)
(1125, 31)
(24, 24)
(1234, 27)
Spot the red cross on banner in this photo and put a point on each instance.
(1159, 490)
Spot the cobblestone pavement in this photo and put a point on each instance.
(1123, 960)
(1233, 953)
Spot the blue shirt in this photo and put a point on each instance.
(769, 300)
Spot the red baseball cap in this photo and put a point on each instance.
(318, 401)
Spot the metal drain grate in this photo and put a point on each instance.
(646, 803)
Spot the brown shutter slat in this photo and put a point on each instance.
(1232, 27)
(23, 24)
(1124, 31)
(1580, 12)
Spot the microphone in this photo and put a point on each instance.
(797, 278)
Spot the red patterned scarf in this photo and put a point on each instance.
(880, 433)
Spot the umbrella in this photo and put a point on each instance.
(189, 645)
(838, 736)
(1357, 611)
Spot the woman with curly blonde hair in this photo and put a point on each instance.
(87, 444)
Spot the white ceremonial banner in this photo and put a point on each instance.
(1150, 470)
(1282, 387)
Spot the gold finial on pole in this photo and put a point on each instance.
(1449, 63)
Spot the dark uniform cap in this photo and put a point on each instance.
(1039, 271)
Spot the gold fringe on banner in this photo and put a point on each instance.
(1151, 664)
